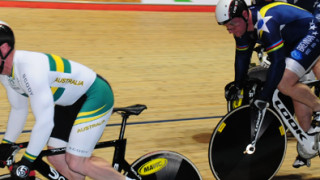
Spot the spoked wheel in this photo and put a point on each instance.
(165, 165)
(230, 139)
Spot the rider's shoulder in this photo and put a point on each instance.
(24, 54)
(29, 61)
(28, 57)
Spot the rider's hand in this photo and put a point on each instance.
(21, 169)
(265, 62)
(232, 92)
(6, 150)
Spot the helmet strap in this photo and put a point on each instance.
(3, 59)
(247, 24)
(246, 20)
(2, 66)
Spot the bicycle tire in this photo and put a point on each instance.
(230, 139)
(5, 176)
(8, 177)
(165, 165)
(258, 72)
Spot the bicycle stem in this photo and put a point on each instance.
(251, 148)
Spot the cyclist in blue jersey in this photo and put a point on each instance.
(291, 38)
(71, 105)
(309, 5)
(302, 113)
(312, 6)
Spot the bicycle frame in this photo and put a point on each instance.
(118, 162)
(307, 141)
(310, 144)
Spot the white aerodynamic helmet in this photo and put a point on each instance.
(229, 9)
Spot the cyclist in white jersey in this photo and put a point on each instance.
(71, 105)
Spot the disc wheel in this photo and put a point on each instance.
(230, 139)
(165, 165)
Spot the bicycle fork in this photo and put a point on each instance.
(251, 148)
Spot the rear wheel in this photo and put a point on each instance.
(165, 165)
(230, 139)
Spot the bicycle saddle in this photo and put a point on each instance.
(131, 110)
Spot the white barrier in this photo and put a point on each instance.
(185, 2)
(182, 2)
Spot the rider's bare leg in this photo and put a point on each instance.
(77, 168)
(59, 162)
(93, 167)
(303, 109)
(290, 86)
(316, 69)
(303, 114)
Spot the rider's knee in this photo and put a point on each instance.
(52, 160)
(74, 163)
(283, 88)
(58, 161)
(77, 163)
(288, 82)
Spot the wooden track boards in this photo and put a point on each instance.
(176, 63)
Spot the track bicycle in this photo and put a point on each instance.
(159, 165)
(246, 148)
(257, 75)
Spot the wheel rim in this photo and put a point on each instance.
(230, 138)
(174, 166)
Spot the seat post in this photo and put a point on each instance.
(125, 116)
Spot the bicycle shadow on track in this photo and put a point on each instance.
(295, 177)
(202, 137)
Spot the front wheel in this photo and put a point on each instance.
(165, 165)
(230, 139)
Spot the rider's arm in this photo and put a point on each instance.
(274, 47)
(42, 105)
(244, 49)
(18, 112)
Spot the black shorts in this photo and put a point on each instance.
(64, 117)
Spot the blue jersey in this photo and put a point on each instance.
(280, 28)
(309, 5)
(305, 4)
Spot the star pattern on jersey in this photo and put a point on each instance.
(313, 27)
(261, 24)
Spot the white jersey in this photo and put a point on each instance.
(47, 80)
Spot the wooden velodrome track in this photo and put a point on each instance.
(176, 63)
